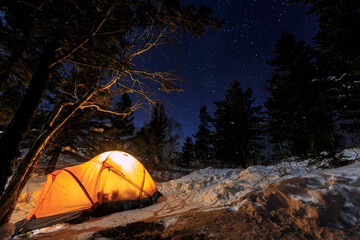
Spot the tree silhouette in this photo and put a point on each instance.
(300, 120)
(204, 146)
(187, 152)
(237, 122)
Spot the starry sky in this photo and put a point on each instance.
(237, 52)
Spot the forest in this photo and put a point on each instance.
(71, 78)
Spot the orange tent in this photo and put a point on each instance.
(111, 181)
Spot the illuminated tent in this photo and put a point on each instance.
(110, 182)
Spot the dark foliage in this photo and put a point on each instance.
(123, 124)
(187, 152)
(339, 23)
(157, 142)
(204, 147)
(298, 108)
(338, 44)
(238, 127)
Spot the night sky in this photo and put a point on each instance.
(238, 52)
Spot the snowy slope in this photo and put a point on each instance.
(330, 196)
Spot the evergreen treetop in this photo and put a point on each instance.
(238, 127)
(204, 146)
(300, 118)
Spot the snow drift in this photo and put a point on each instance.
(331, 196)
(309, 200)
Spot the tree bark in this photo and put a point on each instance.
(54, 158)
(14, 135)
(26, 167)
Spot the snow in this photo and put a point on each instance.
(209, 189)
(28, 197)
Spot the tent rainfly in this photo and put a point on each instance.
(110, 182)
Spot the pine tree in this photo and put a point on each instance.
(338, 44)
(150, 141)
(171, 149)
(339, 23)
(158, 131)
(157, 142)
(204, 147)
(187, 152)
(237, 122)
(122, 127)
(124, 124)
(299, 117)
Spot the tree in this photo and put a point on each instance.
(158, 129)
(123, 126)
(338, 44)
(204, 146)
(76, 134)
(9, 99)
(155, 133)
(187, 152)
(157, 142)
(238, 127)
(15, 41)
(104, 38)
(300, 118)
(172, 146)
(339, 23)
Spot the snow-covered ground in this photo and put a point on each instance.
(331, 196)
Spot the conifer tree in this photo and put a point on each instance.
(204, 147)
(299, 117)
(187, 152)
(157, 142)
(151, 139)
(338, 45)
(158, 131)
(237, 122)
(121, 128)
(124, 124)
(339, 23)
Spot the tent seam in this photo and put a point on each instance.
(81, 185)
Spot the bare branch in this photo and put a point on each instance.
(111, 82)
(86, 64)
(66, 55)
(62, 105)
(102, 110)
(110, 33)
(117, 62)
(148, 45)
(69, 94)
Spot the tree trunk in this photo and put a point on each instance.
(54, 158)
(14, 135)
(9, 198)
(23, 172)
